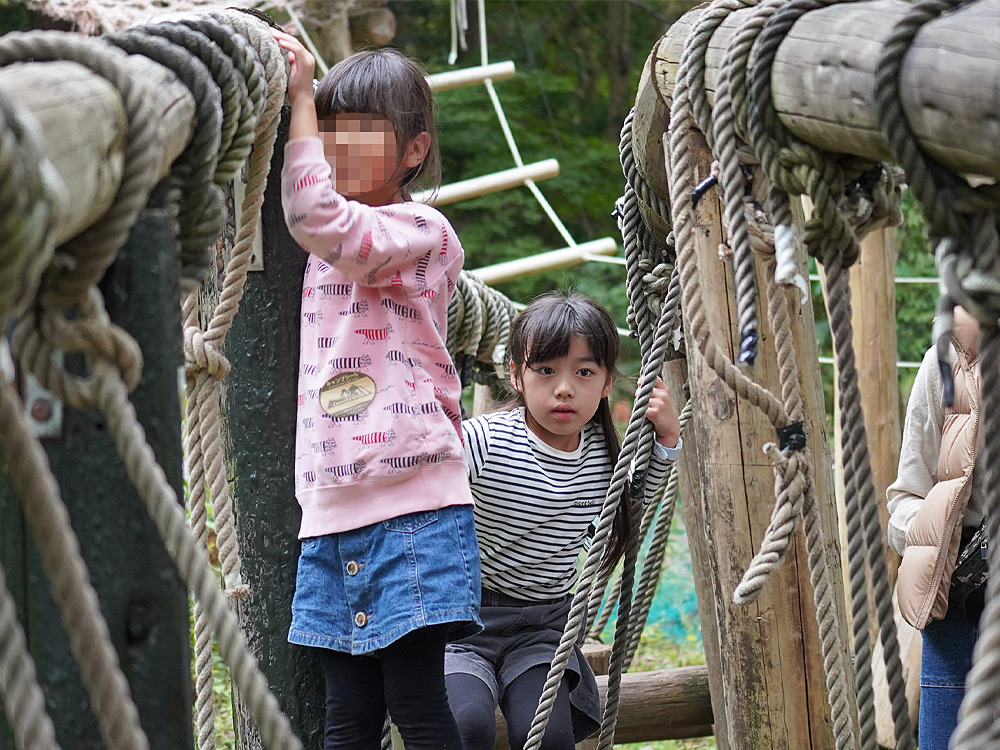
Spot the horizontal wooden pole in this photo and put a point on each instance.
(567, 256)
(83, 126)
(823, 79)
(453, 79)
(490, 183)
(665, 704)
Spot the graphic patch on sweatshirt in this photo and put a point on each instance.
(347, 394)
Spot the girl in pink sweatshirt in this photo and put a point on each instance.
(389, 568)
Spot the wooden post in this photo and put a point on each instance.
(141, 596)
(768, 686)
(259, 417)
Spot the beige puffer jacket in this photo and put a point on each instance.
(933, 537)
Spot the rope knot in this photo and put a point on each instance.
(202, 356)
(49, 330)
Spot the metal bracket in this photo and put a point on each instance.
(43, 409)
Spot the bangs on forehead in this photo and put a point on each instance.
(360, 89)
(549, 336)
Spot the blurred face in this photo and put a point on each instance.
(561, 395)
(362, 150)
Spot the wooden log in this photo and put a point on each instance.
(84, 127)
(375, 28)
(490, 183)
(823, 80)
(453, 79)
(768, 685)
(664, 704)
(549, 261)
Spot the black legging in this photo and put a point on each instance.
(472, 703)
(407, 677)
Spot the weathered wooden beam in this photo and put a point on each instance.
(664, 704)
(84, 127)
(764, 659)
(824, 76)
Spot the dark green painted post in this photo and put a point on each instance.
(260, 404)
(142, 598)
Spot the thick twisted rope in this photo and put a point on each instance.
(793, 482)
(20, 693)
(634, 456)
(90, 641)
(795, 167)
(68, 287)
(197, 202)
(479, 320)
(964, 221)
(646, 283)
(200, 211)
(206, 366)
(728, 113)
(665, 501)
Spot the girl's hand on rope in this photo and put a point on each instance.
(302, 66)
(663, 414)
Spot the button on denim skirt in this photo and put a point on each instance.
(360, 590)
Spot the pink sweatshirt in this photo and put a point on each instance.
(378, 430)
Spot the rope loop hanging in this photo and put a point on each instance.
(795, 167)
(69, 313)
(192, 192)
(65, 310)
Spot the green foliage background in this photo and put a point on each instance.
(558, 107)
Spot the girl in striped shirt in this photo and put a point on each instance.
(539, 474)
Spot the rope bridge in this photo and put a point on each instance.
(236, 77)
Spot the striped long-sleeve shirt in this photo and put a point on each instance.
(534, 503)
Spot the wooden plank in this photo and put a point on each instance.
(824, 75)
(83, 124)
(664, 704)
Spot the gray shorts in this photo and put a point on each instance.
(517, 636)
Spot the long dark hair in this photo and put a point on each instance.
(386, 82)
(544, 331)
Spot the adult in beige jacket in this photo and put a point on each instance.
(935, 502)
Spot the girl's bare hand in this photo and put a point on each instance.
(663, 414)
(302, 65)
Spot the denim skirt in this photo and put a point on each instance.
(358, 591)
(519, 635)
